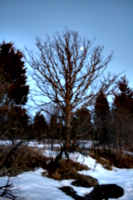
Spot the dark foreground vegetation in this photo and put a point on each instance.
(99, 192)
(25, 158)
(110, 158)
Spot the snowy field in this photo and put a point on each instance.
(47, 144)
(32, 185)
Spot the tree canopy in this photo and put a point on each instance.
(124, 98)
(12, 75)
(66, 74)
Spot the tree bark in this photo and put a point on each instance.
(67, 124)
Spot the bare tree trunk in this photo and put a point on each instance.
(67, 124)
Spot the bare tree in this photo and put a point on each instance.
(66, 74)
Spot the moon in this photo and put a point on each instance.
(81, 48)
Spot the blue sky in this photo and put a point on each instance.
(110, 21)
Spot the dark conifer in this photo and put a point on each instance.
(122, 111)
(101, 117)
(40, 126)
(124, 98)
(13, 92)
(13, 75)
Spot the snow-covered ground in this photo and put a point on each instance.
(32, 185)
(47, 144)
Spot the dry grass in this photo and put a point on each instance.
(65, 169)
(24, 159)
(108, 159)
(28, 158)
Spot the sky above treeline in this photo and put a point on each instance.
(109, 21)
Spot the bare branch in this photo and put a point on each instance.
(65, 74)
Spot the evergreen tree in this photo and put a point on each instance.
(13, 91)
(12, 75)
(40, 126)
(124, 98)
(122, 110)
(101, 117)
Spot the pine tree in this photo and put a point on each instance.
(12, 75)
(40, 127)
(122, 109)
(124, 98)
(13, 91)
(101, 117)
